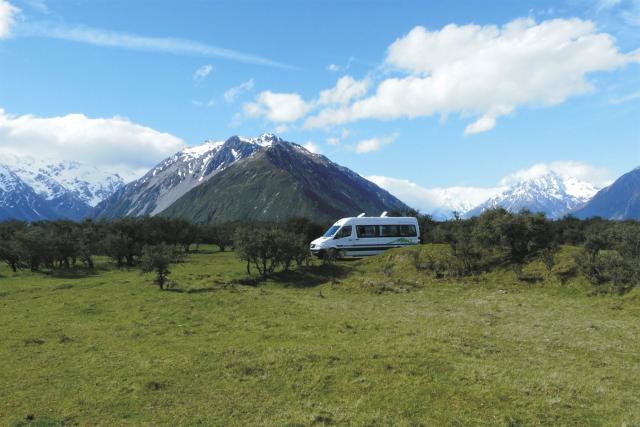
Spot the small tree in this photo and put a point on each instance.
(222, 236)
(157, 259)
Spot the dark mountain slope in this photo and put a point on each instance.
(620, 200)
(281, 181)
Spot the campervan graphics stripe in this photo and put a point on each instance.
(362, 248)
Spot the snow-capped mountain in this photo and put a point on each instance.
(263, 178)
(39, 190)
(176, 175)
(281, 180)
(53, 180)
(549, 193)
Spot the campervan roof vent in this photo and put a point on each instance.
(361, 215)
(384, 214)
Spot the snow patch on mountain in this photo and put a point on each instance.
(176, 175)
(550, 193)
(60, 179)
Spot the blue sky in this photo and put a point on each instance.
(134, 65)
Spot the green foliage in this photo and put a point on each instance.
(270, 248)
(157, 259)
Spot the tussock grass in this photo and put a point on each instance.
(378, 341)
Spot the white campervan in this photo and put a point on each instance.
(362, 235)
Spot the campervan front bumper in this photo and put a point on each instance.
(316, 250)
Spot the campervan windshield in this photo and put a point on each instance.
(331, 231)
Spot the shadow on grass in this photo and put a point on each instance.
(204, 251)
(313, 275)
(75, 273)
(194, 290)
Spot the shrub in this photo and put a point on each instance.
(157, 259)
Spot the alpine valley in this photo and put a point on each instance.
(268, 178)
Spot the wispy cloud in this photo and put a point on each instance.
(38, 5)
(105, 38)
(231, 94)
(202, 73)
(630, 97)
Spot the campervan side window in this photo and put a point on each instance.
(389, 231)
(344, 232)
(367, 231)
(408, 230)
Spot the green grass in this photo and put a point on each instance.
(371, 342)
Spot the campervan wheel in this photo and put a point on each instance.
(334, 253)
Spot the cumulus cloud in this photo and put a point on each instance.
(484, 71)
(333, 141)
(346, 89)
(278, 107)
(202, 73)
(8, 14)
(313, 147)
(290, 107)
(333, 68)
(440, 200)
(231, 94)
(373, 144)
(114, 144)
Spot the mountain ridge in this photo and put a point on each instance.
(281, 181)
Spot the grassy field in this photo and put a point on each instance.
(371, 342)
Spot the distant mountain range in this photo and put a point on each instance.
(36, 190)
(267, 178)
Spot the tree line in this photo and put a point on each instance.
(608, 250)
(152, 243)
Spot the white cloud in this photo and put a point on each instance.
(333, 141)
(8, 14)
(440, 200)
(231, 94)
(209, 103)
(345, 133)
(333, 68)
(290, 107)
(312, 146)
(104, 38)
(598, 176)
(483, 124)
(278, 107)
(113, 144)
(484, 72)
(346, 89)
(374, 144)
(202, 73)
(282, 129)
